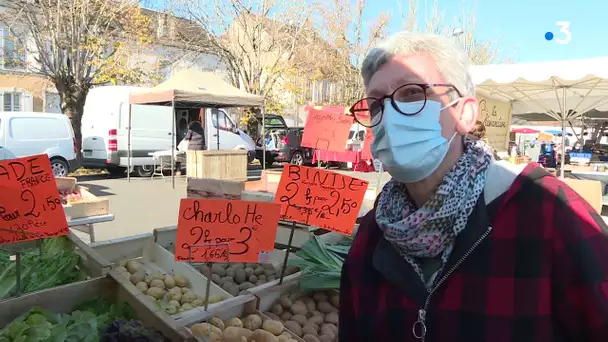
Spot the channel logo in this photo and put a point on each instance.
(564, 33)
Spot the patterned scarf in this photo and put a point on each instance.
(431, 230)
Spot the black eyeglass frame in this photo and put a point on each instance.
(424, 87)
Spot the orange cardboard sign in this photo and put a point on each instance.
(326, 130)
(247, 227)
(320, 198)
(366, 151)
(30, 206)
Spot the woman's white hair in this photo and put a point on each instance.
(452, 63)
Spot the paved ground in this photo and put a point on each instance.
(141, 205)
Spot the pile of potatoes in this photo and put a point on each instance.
(313, 316)
(170, 291)
(252, 328)
(237, 278)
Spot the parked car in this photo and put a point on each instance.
(283, 144)
(105, 134)
(25, 134)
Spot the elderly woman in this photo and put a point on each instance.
(460, 247)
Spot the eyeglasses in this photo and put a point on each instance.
(368, 111)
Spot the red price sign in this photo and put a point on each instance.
(246, 227)
(320, 198)
(210, 253)
(30, 206)
(326, 130)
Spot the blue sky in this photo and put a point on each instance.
(520, 25)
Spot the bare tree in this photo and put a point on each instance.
(80, 43)
(480, 52)
(255, 40)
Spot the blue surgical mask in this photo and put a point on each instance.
(410, 148)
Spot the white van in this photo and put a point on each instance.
(105, 135)
(25, 134)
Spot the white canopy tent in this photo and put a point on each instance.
(563, 90)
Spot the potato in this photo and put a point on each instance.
(240, 276)
(317, 313)
(174, 296)
(311, 329)
(148, 279)
(216, 278)
(334, 299)
(224, 280)
(187, 306)
(277, 309)
(301, 320)
(158, 275)
(245, 286)
(284, 338)
(216, 330)
(213, 337)
(172, 310)
(275, 327)
(272, 316)
(268, 266)
(318, 320)
(185, 289)
(157, 283)
(332, 318)
(327, 338)
(142, 286)
(271, 278)
(258, 270)
(263, 336)
(249, 271)
(269, 273)
(137, 277)
(286, 302)
(169, 281)
(234, 334)
(150, 298)
(204, 269)
(252, 322)
(173, 303)
(198, 302)
(325, 307)
(133, 266)
(188, 298)
(214, 299)
(299, 309)
(319, 297)
(262, 277)
(294, 327)
(329, 328)
(310, 304)
(181, 281)
(253, 279)
(286, 316)
(234, 322)
(310, 338)
(123, 263)
(218, 269)
(201, 329)
(156, 292)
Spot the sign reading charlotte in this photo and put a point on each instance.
(496, 117)
(30, 206)
(218, 230)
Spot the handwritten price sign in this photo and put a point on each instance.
(320, 198)
(326, 131)
(244, 228)
(30, 207)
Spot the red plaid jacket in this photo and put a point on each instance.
(531, 265)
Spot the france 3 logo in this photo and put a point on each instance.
(564, 30)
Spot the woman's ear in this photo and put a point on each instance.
(467, 112)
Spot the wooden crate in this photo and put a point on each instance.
(220, 164)
(90, 205)
(155, 258)
(64, 299)
(214, 188)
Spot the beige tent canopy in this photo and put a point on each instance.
(197, 89)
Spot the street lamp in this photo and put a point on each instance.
(457, 32)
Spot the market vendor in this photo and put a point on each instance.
(460, 247)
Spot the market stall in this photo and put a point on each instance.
(192, 90)
(562, 90)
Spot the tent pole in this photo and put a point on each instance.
(564, 113)
(217, 129)
(128, 147)
(172, 144)
(263, 139)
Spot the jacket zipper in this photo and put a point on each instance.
(419, 328)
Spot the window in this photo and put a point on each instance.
(52, 102)
(12, 49)
(24, 128)
(11, 102)
(225, 123)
